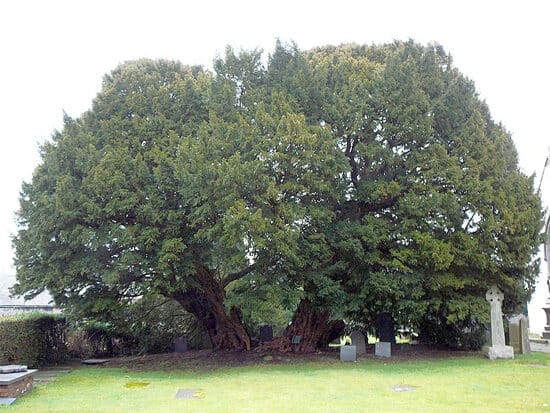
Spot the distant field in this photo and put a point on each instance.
(464, 384)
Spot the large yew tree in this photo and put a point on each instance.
(368, 179)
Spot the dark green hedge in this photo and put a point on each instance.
(33, 340)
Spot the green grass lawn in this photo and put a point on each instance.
(470, 384)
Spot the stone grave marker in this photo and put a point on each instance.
(358, 340)
(519, 335)
(498, 349)
(524, 331)
(514, 333)
(385, 328)
(180, 344)
(93, 362)
(348, 353)
(382, 349)
(398, 388)
(266, 333)
(190, 394)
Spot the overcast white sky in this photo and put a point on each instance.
(55, 53)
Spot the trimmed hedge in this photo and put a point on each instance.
(33, 340)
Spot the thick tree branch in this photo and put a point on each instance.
(358, 209)
(237, 275)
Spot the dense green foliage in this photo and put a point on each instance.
(360, 179)
(436, 208)
(33, 340)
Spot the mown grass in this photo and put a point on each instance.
(471, 384)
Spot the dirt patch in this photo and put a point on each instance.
(213, 360)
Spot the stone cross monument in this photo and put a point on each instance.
(498, 349)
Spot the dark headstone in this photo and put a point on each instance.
(266, 333)
(180, 344)
(385, 328)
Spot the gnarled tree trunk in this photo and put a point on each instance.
(312, 325)
(206, 303)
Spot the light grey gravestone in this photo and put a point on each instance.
(382, 349)
(498, 349)
(519, 335)
(190, 394)
(180, 344)
(348, 353)
(358, 340)
(402, 387)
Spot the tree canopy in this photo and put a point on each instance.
(358, 179)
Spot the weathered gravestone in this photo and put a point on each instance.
(398, 388)
(524, 333)
(190, 394)
(180, 344)
(348, 353)
(385, 328)
(498, 349)
(266, 334)
(519, 335)
(358, 340)
(382, 349)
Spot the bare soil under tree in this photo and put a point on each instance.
(212, 360)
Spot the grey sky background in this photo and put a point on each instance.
(55, 53)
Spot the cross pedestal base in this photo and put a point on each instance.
(500, 352)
